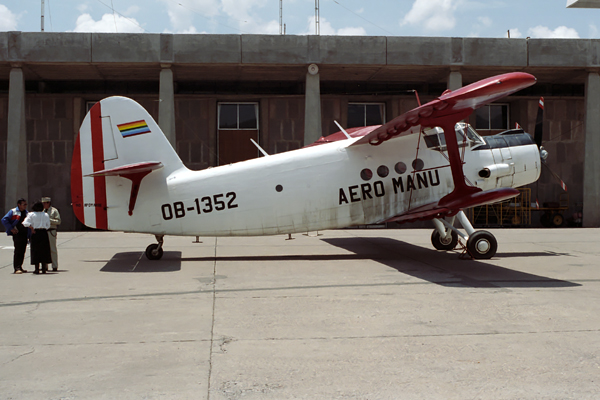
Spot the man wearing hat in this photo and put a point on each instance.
(54, 222)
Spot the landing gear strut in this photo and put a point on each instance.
(155, 250)
(481, 245)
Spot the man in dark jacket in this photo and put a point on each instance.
(13, 222)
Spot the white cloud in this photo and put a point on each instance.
(593, 31)
(108, 23)
(484, 21)
(562, 32)
(352, 31)
(8, 20)
(246, 14)
(131, 10)
(325, 29)
(433, 15)
(240, 9)
(182, 12)
(515, 33)
(265, 28)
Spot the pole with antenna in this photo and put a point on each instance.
(281, 17)
(43, 15)
(317, 27)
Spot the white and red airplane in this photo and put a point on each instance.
(424, 164)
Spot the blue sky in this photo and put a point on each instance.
(459, 18)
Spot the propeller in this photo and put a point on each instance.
(537, 137)
(539, 130)
(539, 123)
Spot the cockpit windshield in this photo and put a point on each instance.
(465, 136)
(471, 133)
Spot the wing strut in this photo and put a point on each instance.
(461, 189)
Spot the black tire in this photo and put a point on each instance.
(440, 244)
(557, 220)
(482, 245)
(546, 220)
(153, 252)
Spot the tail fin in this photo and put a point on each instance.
(117, 139)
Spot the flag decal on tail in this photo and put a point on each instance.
(133, 128)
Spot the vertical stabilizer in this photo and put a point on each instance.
(116, 137)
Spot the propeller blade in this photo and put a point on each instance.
(539, 126)
(555, 175)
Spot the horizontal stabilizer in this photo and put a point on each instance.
(129, 169)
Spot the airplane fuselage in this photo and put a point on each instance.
(316, 188)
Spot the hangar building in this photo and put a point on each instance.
(211, 93)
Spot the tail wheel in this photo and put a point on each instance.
(154, 252)
(482, 245)
(441, 243)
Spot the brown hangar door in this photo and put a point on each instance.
(238, 123)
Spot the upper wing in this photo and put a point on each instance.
(460, 102)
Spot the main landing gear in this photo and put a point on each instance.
(481, 245)
(155, 250)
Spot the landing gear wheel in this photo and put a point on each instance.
(482, 245)
(154, 252)
(444, 244)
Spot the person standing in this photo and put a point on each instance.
(13, 222)
(39, 223)
(54, 222)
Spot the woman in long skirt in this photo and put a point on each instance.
(39, 223)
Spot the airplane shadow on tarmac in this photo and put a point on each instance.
(136, 261)
(446, 268)
(438, 267)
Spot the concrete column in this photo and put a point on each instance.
(454, 79)
(16, 141)
(312, 106)
(166, 105)
(591, 168)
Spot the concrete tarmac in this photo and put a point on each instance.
(349, 314)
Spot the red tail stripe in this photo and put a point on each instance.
(77, 182)
(98, 165)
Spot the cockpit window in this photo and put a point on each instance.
(432, 140)
(473, 135)
(465, 136)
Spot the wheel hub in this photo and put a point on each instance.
(446, 241)
(483, 246)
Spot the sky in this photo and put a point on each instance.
(442, 18)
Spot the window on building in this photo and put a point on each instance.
(365, 114)
(238, 116)
(492, 116)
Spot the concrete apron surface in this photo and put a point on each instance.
(349, 314)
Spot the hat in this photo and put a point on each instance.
(46, 200)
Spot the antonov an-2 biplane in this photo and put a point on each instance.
(424, 164)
